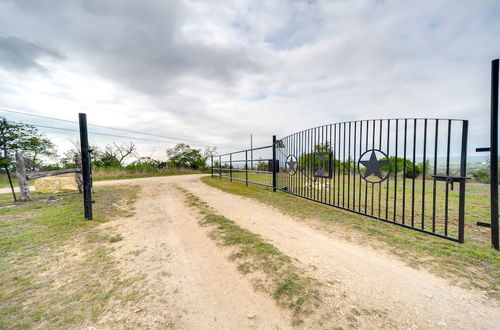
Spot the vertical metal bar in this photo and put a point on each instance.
(366, 148)
(373, 147)
(86, 166)
(343, 166)
(413, 173)
(231, 167)
(463, 173)
(404, 173)
(323, 180)
(220, 167)
(495, 240)
(212, 166)
(332, 179)
(447, 193)
(354, 169)
(422, 224)
(380, 183)
(388, 178)
(274, 163)
(340, 165)
(349, 168)
(246, 168)
(360, 152)
(396, 172)
(309, 162)
(251, 151)
(436, 136)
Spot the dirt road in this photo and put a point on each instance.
(189, 282)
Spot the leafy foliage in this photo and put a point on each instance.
(26, 139)
(182, 155)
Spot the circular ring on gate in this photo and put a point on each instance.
(374, 161)
(291, 165)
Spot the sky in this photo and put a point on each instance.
(217, 71)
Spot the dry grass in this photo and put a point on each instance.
(56, 269)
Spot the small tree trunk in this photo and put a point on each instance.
(22, 178)
(78, 175)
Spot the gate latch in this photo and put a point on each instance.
(450, 179)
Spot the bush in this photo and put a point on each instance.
(482, 175)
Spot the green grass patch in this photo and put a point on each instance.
(105, 174)
(56, 269)
(283, 279)
(474, 263)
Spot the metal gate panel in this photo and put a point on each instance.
(409, 172)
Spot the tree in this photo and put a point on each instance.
(26, 139)
(182, 155)
(209, 152)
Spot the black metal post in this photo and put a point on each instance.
(86, 170)
(494, 155)
(463, 173)
(231, 167)
(212, 166)
(274, 163)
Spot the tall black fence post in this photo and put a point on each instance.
(86, 170)
(212, 166)
(274, 163)
(463, 173)
(494, 155)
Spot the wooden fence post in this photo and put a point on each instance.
(78, 175)
(22, 178)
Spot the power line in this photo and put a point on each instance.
(106, 134)
(34, 45)
(116, 129)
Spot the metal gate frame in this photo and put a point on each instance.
(340, 182)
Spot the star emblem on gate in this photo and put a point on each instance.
(373, 166)
(291, 165)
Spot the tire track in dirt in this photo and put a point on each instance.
(187, 280)
(371, 279)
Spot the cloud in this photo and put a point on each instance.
(218, 70)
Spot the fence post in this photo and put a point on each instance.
(86, 170)
(274, 162)
(22, 178)
(463, 173)
(494, 154)
(212, 166)
(231, 167)
(6, 168)
(246, 168)
(220, 168)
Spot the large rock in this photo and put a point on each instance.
(56, 184)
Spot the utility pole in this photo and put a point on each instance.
(251, 152)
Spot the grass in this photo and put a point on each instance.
(472, 264)
(56, 269)
(283, 280)
(102, 174)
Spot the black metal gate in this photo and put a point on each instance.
(409, 172)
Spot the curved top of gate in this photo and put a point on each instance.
(375, 120)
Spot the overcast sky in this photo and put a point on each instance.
(217, 71)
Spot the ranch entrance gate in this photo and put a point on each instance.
(410, 172)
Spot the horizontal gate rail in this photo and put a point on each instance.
(252, 166)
